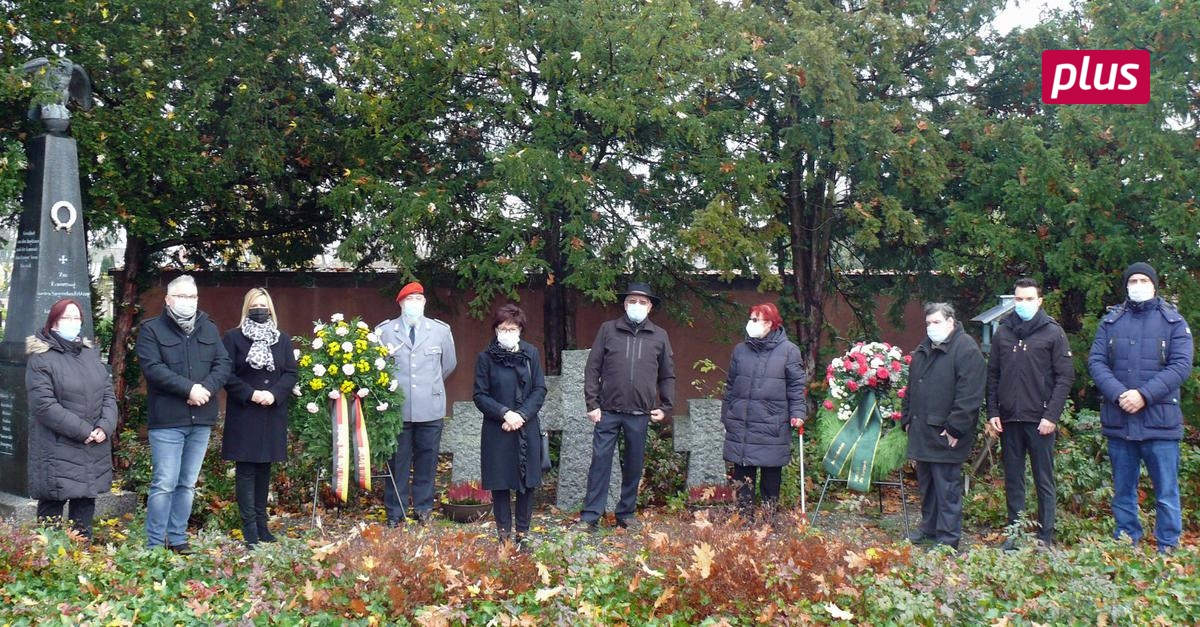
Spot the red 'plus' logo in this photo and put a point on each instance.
(1096, 76)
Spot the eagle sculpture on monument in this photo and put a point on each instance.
(62, 82)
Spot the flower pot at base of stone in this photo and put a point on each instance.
(466, 512)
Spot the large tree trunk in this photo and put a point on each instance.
(126, 314)
(555, 311)
(810, 227)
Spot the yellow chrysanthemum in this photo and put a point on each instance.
(347, 386)
(316, 383)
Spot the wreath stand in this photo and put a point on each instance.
(880, 485)
(321, 477)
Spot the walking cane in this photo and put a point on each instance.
(803, 499)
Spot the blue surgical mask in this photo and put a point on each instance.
(1026, 310)
(69, 329)
(637, 312)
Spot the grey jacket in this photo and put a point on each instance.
(70, 394)
(421, 370)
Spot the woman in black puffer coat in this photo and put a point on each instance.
(72, 413)
(764, 399)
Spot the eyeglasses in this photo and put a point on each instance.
(509, 329)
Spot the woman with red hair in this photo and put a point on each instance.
(764, 399)
(72, 413)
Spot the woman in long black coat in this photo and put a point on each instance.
(72, 413)
(764, 396)
(510, 387)
(256, 408)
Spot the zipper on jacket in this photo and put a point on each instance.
(1162, 353)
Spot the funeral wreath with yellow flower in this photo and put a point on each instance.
(345, 360)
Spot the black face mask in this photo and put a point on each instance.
(259, 314)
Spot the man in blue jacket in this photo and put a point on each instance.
(1141, 356)
(185, 365)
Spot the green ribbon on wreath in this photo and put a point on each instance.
(855, 444)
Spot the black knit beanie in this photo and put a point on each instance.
(1142, 267)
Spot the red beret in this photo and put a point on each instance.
(409, 290)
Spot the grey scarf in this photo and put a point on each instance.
(188, 324)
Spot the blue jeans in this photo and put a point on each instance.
(176, 454)
(1162, 463)
(417, 448)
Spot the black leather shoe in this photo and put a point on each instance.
(628, 523)
(1009, 545)
(180, 549)
(588, 526)
(919, 538)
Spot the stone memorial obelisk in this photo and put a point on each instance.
(50, 260)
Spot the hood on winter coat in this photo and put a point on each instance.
(39, 343)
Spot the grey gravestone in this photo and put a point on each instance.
(701, 434)
(576, 455)
(50, 262)
(461, 439)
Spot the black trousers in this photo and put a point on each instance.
(748, 478)
(1018, 440)
(502, 509)
(252, 483)
(80, 513)
(941, 487)
(634, 428)
(417, 447)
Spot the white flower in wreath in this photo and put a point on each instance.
(341, 331)
(347, 347)
(318, 328)
(317, 344)
(319, 370)
(372, 338)
(363, 392)
(836, 363)
(296, 390)
(296, 353)
(312, 408)
(337, 317)
(836, 391)
(362, 325)
(380, 363)
(334, 394)
(875, 362)
(348, 369)
(382, 407)
(393, 385)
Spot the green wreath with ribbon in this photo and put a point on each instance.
(346, 410)
(858, 423)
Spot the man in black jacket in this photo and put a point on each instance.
(629, 380)
(1029, 376)
(941, 417)
(185, 364)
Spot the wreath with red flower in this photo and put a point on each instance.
(876, 367)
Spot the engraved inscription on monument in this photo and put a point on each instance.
(8, 436)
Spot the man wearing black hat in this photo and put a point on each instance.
(1141, 356)
(629, 381)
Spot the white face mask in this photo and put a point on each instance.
(637, 312)
(938, 334)
(413, 309)
(756, 329)
(508, 340)
(69, 329)
(1140, 292)
(185, 307)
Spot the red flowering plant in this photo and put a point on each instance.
(467, 493)
(877, 371)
